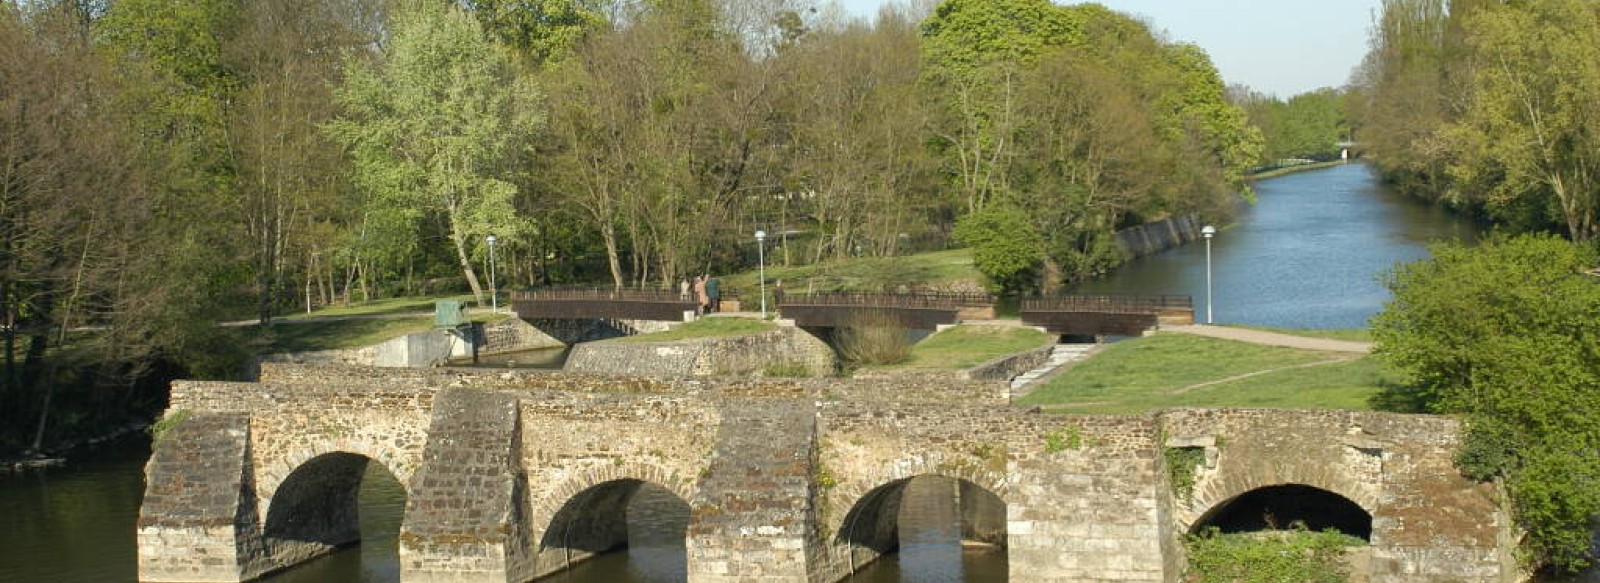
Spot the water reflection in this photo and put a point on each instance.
(1308, 255)
(539, 358)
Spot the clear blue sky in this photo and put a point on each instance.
(1282, 47)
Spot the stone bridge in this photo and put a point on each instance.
(510, 476)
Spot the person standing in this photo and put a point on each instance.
(714, 292)
(701, 301)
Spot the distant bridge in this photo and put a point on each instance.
(1106, 315)
(599, 302)
(907, 310)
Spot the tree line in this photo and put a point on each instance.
(169, 164)
(1488, 106)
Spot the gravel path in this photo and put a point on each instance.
(1273, 338)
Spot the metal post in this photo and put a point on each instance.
(1208, 231)
(761, 260)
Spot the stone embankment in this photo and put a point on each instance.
(795, 351)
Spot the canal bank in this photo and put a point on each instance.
(1309, 254)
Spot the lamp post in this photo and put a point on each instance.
(494, 297)
(1208, 231)
(761, 258)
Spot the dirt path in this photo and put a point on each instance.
(1273, 338)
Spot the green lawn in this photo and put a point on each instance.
(385, 306)
(307, 336)
(1163, 371)
(967, 346)
(863, 274)
(705, 328)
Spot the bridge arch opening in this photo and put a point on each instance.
(1287, 506)
(647, 520)
(333, 501)
(932, 526)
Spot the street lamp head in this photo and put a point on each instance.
(1208, 231)
(490, 239)
(760, 235)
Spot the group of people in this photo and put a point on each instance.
(707, 293)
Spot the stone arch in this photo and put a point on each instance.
(871, 526)
(1231, 480)
(315, 508)
(1280, 506)
(272, 473)
(848, 492)
(545, 508)
(592, 514)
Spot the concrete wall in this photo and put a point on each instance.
(1158, 236)
(514, 474)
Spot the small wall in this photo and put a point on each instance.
(1010, 366)
(745, 355)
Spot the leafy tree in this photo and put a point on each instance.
(1527, 139)
(1005, 246)
(1506, 335)
(430, 127)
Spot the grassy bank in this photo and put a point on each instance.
(1276, 172)
(967, 346)
(940, 269)
(704, 328)
(1174, 370)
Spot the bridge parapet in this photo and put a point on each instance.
(1106, 315)
(598, 302)
(924, 310)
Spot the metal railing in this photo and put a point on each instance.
(573, 293)
(917, 300)
(1107, 304)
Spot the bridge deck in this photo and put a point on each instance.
(625, 303)
(1104, 315)
(908, 310)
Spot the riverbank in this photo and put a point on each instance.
(1287, 170)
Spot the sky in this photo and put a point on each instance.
(1278, 47)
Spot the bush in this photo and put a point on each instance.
(1505, 335)
(872, 338)
(1005, 246)
(1296, 555)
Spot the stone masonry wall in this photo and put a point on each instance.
(463, 521)
(772, 469)
(743, 355)
(1396, 467)
(1010, 366)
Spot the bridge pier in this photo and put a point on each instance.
(198, 521)
(464, 521)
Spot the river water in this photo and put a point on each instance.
(1307, 256)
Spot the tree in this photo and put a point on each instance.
(1005, 246)
(430, 126)
(1527, 140)
(1505, 334)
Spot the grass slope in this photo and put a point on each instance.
(967, 346)
(1174, 370)
(864, 274)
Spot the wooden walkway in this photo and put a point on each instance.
(1106, 315)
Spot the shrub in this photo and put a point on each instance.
(1269, 557)
(872, 338)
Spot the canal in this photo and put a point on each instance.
(1307, 256)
